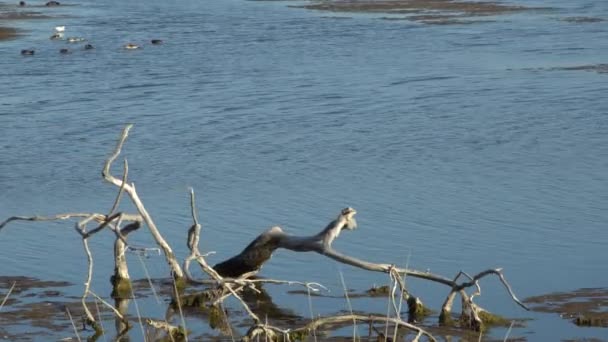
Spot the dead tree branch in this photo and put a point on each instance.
(121, 270)
(261, 248)
(66, 216)
(81, 229)
(130, 190)
(121, 190)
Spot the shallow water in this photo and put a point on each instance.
(462, 147)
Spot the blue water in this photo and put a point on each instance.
(462, 147)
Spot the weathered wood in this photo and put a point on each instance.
(260, 250)
(121, 270)
(130, 190)
(252, 257)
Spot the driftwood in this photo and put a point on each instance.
(235, 276)
(261, 248)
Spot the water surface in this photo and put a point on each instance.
(462, 146)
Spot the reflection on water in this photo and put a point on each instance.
(463, 146)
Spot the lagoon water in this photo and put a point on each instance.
(462, 147)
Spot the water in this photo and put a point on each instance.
(459, 145)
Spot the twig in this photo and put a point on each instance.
(7, 295)
(122, 187)
(312, 317)
(141, 324)
(312, 286)
(193, 206)
(66, 216)
(391, 299)
(403, 291)
(73, 324)
(350, 307)
(508, 331)
(143, 265)
(332, 320)
(107, 222)
(227, 321)
(81, 228)
(179, 306)
(111, 307)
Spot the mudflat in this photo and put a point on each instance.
(426, 11)
(471, 7)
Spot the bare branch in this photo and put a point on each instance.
(108, 220)
(106, 169)
(131, 191)
(81, 227)
(193, 206)
(121, 270)
(122, 188)
(312, 286)
(7, 295)
(497, 272)
(66, 216)
(261, 248)
(510, 290)
(193, 239)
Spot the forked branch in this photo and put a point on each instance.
(130, 190)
